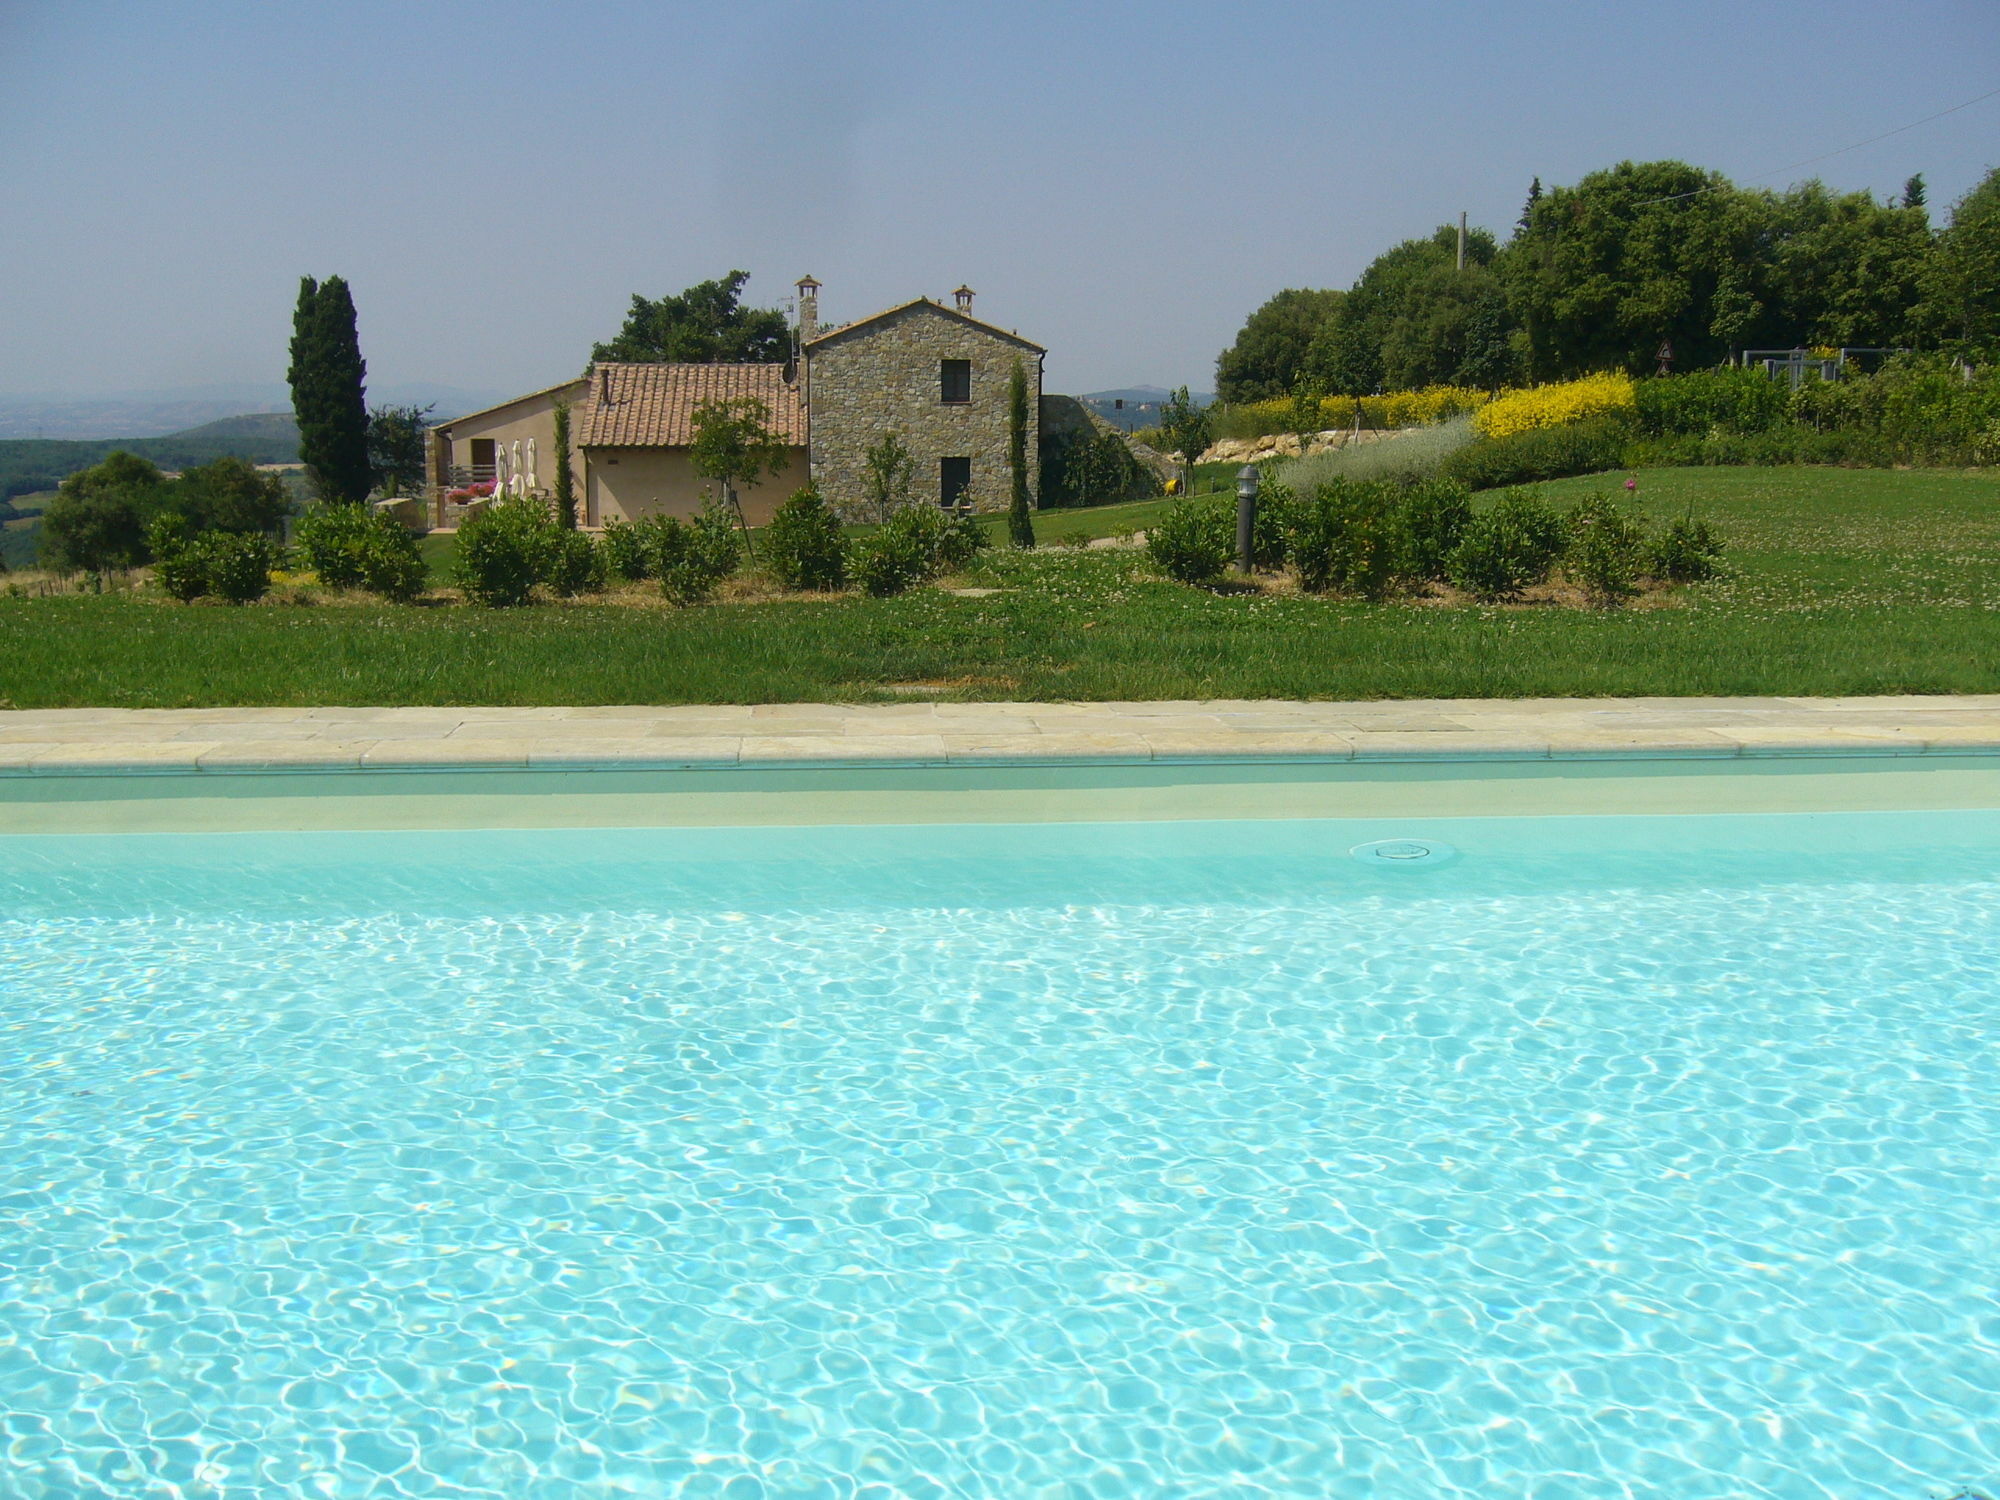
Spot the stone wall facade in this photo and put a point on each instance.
(883, 375)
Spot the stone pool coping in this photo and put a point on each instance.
(106, 741)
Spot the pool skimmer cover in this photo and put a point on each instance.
(1405, 852)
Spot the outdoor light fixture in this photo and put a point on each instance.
(1246, 513)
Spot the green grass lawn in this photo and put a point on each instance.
(1843, 581)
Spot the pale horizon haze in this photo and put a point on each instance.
(1123, 184)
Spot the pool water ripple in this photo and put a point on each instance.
(1429, 1192)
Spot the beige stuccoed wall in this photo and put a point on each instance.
(530, 417)
(883, 377)
(627, 484)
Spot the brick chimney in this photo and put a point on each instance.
(808, 310)
(963, 297)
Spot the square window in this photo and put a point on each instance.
(955, 381)
(954, 482)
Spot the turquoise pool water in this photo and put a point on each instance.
(1647, 1157)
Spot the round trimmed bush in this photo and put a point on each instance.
(238, 567)
(501, 551)
(1506, 549)
(803, 546)
(1194, 541)
(332, 540)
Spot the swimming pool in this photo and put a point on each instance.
(1602, 1155)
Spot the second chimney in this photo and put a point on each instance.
(808, 310)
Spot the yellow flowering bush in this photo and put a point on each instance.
(1422, 408)
(1554, 405)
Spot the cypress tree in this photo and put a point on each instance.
(1527, 219)
(327, 396)
(565, 495)
(1020, 526)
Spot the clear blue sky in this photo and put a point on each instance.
(1121, 183)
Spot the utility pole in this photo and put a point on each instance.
(1461, 239)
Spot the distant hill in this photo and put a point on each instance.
(167, 413)
(1135, 406)
(31, 464)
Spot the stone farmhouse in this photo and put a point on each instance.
(935, 376)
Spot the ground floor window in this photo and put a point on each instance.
(954, 481)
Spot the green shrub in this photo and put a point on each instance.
(391, 564)
(501, 552)
(572, 563)
(1604, 551)
(1270, 529)
(1350, 539)
(692, 558)
(332, 539)
(917, 543)
(1686, 551)
(892, 559)
(1194, 541)
(1540, 453)
(803, 546)
(179, 566)
(351, 546)
(1434, 516)
(1729, 400)
(1507, 548)
(959, 540)
(238, 566)
(628, 550)
(1789, 443)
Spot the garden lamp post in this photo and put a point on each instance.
(1246, 514)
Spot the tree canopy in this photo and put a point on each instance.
(704, 325)
(396, 446)
(1265, 361)
(100, 516)
(1401, 296)
(1639, 264)
(1961, 281)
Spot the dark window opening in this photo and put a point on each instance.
(955, 381)
(482, 453)
(954, 482)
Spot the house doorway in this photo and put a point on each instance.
(954, 482)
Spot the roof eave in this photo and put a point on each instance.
(486, 411)
(950, 312)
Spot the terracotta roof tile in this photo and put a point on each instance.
(652, 406)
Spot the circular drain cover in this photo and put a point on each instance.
(1403, 852)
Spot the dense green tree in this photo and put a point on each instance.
(1020, 524)
(1960, 306)
(1450, 328)
(1270, 351)
(327, 375)
(1836, 268)
(230, 494)
(1913, 192)
(706, 324)
(1645, 258)
(1350, 355)
(396, 447)
(99, 517)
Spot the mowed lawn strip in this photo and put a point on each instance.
(1844, 582)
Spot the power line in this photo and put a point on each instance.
(1828, 155)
